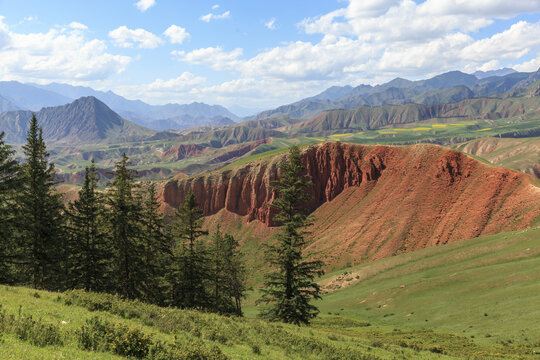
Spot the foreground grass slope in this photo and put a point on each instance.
(480, 299)
(79, 325)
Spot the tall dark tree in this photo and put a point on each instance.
(41, 211)
(157, 247)
(89, 244)
(124, 214)
(190, 264)
(9, 187)
(291, 286)
(227, 274)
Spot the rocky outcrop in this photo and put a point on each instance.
(236, 151)
(439, 185)
(182, 151)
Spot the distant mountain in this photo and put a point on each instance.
(449, 87)
(529, 80)
(27, 97)
(376, 117)
(157, 117)
(86, 120)
(334, 92)
(499, 72)
(6, 105)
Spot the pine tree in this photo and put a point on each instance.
(41, 210)
(9, 187)
(227, 277)
(89, 245)
(290, 287)
(124, 222)
(190, 264)
(157, 246)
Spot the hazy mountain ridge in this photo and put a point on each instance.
(178, 116)
(85, 120)
(449, 87)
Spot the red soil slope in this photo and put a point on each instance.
(372, 202)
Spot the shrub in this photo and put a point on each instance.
(26, 328)
(102, 335)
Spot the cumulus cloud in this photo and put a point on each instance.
(176, 34)
(219, 59)
(180, 89)
(271, 24)
(215, 7)
(210, 16)
(58, 55)
(373, 41)
(144, 5)
(124, 37)
(78, 26)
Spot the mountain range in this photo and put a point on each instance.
(34, 97)
(449, 87)
(84, 121)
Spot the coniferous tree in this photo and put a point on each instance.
(124, 216)
(9, 187)
(227, 277)
(41, 216)
(291, 285)
(89, 244)
(157, 247)
(189, 270)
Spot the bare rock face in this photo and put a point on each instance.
(371, 202)
(182, 151)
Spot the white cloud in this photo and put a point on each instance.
(215, 7)
(489, 66)
(493, 8)
(176, 34)
(78, 26)
(124, 37)
(529, 66)
(181, 89)
(58, 55)
(271, 24)
(144, 5)
(219, 59)
(210, 16)
(513, 43)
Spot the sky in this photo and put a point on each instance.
(252, 55)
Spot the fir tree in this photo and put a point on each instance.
(227, 278)
(190, 264)
(9, 187)
(124, 221)
(157, 247)
(89, 245)
(41, 212)
(290, 287)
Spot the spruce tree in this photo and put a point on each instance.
(9, 187)
(189, 271)
(124, 216)
(290, 287)
(41, 211)
(89, 244)
(227, 277)
(157, 247)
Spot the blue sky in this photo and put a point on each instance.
(258, 54)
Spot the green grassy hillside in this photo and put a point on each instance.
(486, 288)
(472, 299)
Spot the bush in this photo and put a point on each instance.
(26, 328)
(102, 335)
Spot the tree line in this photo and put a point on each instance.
(117, 241)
